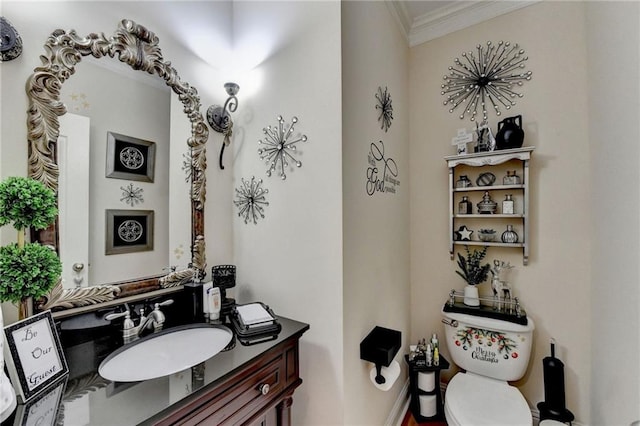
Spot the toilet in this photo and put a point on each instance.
(492, 352)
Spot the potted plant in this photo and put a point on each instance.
(473, 272)
(27, 270)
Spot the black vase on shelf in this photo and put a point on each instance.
(510, 134)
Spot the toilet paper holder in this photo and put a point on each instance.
(380, 347)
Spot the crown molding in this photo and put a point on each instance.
(457, 16)
(399, 11)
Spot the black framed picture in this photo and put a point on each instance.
(130, 158)
(129, 231)
(34, 355)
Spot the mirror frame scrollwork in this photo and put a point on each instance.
(138, 47)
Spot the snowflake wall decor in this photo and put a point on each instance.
(489, 78)
(386, 108)
(250, 200)
(131, 195)
(279, 145)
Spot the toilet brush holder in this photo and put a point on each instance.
(553, 407)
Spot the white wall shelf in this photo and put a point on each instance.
(489, 162)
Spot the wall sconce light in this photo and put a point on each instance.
(219, 117)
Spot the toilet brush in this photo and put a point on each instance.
(554, 406)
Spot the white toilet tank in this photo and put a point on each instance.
(487, 346)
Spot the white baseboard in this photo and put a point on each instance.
(400, 407)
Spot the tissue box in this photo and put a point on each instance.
(380, 346)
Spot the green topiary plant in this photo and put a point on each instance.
(470, 268)
(30, 271)
(27, 270)
(26, 203)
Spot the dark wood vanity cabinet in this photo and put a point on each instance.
(260, 393)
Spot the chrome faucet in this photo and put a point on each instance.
(155, 321)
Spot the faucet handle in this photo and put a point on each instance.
(165, 303)
(128, 323)
(116, 315)
(159, 315)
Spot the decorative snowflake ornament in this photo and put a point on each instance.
(279, 145)
(250, 200)
(386, 108)
(485, 80)
(131, 195)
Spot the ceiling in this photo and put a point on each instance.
(424, 20)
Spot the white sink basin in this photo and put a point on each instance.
(165, 353)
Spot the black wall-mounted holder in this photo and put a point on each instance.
(380, 347)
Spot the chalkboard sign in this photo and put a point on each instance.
(34, 355)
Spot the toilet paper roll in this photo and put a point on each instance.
(390, 374)
(426, 381)
(428, 405)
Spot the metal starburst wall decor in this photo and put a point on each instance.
(485, 79)
(131, 195)
(386, 108)
(278, 146)
(251, 200)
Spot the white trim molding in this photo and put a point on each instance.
(400, 407)
(450, 18)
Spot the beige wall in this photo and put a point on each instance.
(554, 287)
(614, 131)
(292, 259)
(376, 227)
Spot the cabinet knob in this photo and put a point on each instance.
(263, 388)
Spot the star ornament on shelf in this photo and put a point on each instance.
(487, 79)
(463, 233)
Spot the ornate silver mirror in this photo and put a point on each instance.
(137, 47)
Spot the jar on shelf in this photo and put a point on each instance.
(487, 205)
(511, 178)
(509, 236)
(507, 204)
(463, 182)
(465, 206)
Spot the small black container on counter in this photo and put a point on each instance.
(194, 307)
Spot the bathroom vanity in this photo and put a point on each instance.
(244, 384)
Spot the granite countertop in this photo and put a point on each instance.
(85, 398)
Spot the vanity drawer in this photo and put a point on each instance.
(241, 398)
(229, 408)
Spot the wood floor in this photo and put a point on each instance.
(410, 421)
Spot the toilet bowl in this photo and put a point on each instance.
(476, 400)
(492, 352)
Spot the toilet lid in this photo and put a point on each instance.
(477, 400)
